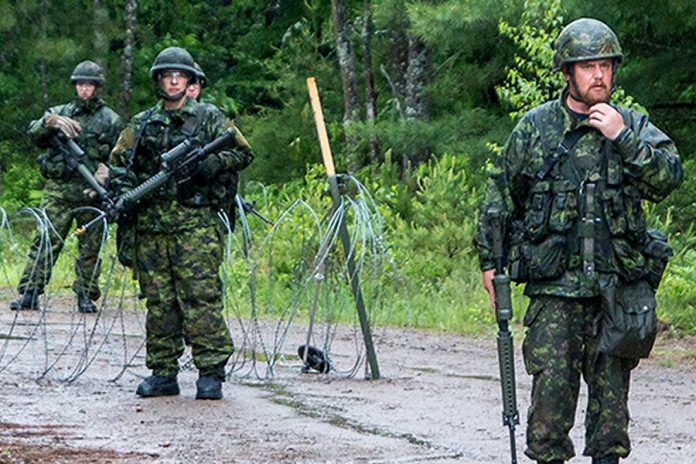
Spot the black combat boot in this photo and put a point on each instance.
(209, 388)
(608, 459)
(28, 300)
(85, 305)
(158, 385)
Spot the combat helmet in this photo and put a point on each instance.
(586, 39)
(172, 58)
(200, 75)
(87, 71)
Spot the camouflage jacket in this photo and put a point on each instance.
(136, 157)
(546, 228)
(100, 128)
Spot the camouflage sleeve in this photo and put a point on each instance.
(504, 194)
(108, 138)
(240, 156)
(237, 157)
(650, 158)
(120, 154)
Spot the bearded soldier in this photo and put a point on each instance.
(94, 127)
(568, 186)
(177, 250)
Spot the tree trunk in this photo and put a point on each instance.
(370, 94)
(417, 78)
(42, 63)
(417, 101)
(398, 44)
(101, 16)
(131, 7)
(346, 62)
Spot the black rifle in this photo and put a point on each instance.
(179, 162)
(248, 208)
(73, 156)
(503, 315)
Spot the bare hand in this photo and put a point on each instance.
(68, 126)
(607, 120)
(488, 285)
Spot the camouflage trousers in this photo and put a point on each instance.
(64, 218)
(559, 348)
(178, 274)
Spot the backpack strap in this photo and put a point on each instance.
(569, 141)
(138, 135)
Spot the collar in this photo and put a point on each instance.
(570, 122)
(88, 106)
(187, 109)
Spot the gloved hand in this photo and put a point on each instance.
(101, 175)
(68, 126)
(52, 165)
(208, 168)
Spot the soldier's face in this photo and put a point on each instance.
(85, 89)
(591, 81)
(193, 90)
(173, 81)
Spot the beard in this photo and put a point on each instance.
(597, 93)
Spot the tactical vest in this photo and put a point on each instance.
(580, 219)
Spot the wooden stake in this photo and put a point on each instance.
(343, 230)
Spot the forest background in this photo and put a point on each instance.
(418, 96)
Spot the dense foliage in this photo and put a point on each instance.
(447, 74)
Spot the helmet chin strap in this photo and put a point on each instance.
(175, 97)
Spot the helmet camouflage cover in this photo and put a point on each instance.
(87, 71)
(173, 58)
(586, 39)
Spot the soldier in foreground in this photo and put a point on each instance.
(569, 185)
(94, 127)
(177, 250)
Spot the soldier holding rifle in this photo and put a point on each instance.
(91, 125)
(568, 187)
(177, 250)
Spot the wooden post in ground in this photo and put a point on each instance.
(343, 230)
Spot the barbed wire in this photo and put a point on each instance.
(268, 311)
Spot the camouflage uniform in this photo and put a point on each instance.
(543, 228)
(63, 194)
(178, 247)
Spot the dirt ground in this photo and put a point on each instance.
(438, 401)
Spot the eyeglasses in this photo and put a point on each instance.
(174, 75)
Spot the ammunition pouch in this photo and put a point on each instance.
(657, 253)
(628, 322)
(539, 246)
(52, 165)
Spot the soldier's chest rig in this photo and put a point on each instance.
(93, 126)
(156, 134)
(579, 215)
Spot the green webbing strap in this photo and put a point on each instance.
(571, 138)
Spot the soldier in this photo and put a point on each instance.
(197, 84)
(94, 127)
(573, 221)
(177, 248)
